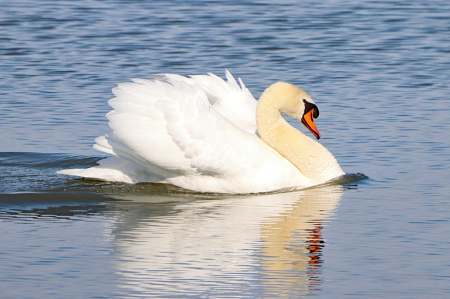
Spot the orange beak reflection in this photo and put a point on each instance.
(308, 121)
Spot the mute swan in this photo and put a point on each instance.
(205, 134)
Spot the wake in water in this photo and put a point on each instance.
(34, 173)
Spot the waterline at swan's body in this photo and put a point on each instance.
(205, 134)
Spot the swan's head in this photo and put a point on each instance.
(298, 104)
(309, 113)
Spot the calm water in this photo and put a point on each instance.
(380, 73)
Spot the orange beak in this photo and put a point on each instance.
(308, 121)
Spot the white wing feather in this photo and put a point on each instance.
(197, 133)
(234, 102)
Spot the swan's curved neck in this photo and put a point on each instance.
(311, 158)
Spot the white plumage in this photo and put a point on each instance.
(198, 133)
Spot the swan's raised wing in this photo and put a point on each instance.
(234, 102)
(170, 128)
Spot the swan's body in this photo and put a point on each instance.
(201, 133)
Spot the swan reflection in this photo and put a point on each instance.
(244, 246)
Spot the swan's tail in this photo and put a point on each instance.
(115, 170)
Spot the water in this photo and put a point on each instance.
(379, 72)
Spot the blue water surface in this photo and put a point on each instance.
(378, 70)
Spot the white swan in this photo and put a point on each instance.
(204, 134)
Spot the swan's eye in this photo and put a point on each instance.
(309, 106)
